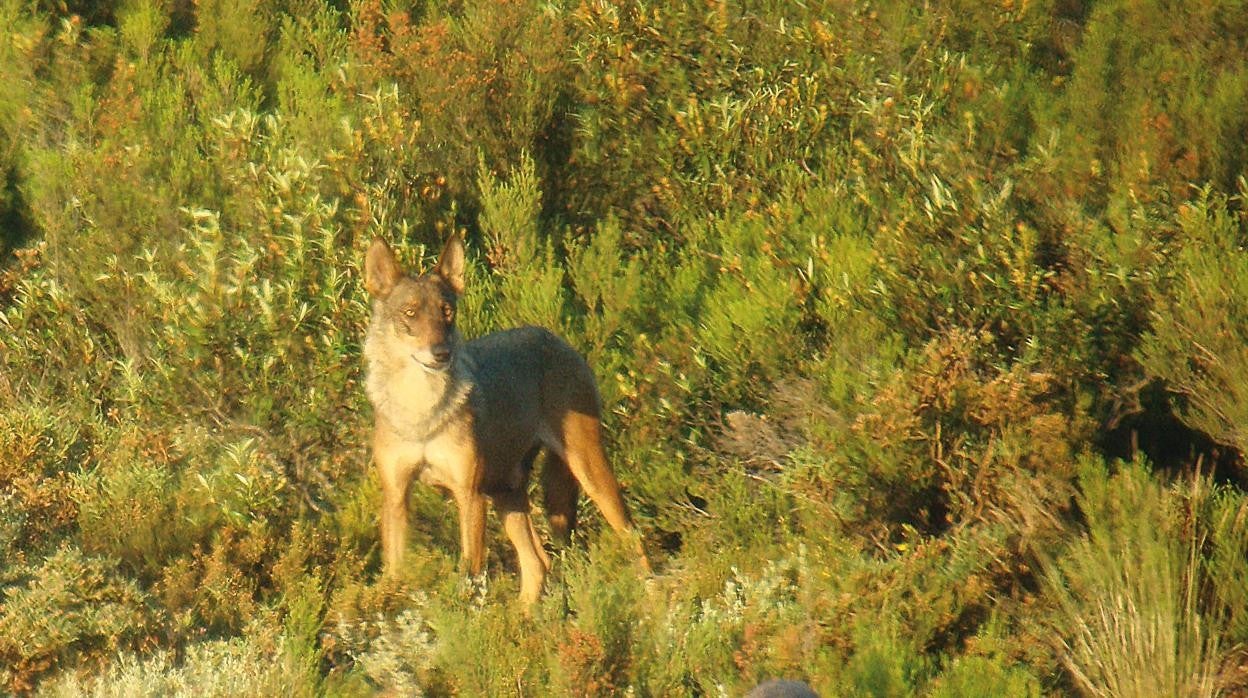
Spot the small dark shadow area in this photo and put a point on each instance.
(1169, 444)
(15, 226)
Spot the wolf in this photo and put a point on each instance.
(470, 418)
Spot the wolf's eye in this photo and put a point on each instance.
(410, 312)
(448, 313)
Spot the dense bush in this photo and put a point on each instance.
(911, 324)
(66, 610)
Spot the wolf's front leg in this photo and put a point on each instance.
(393, 526)
(471, 531)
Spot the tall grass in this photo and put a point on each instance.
(1139, 611)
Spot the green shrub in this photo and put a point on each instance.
(1150, 97)
(882, 667)
(125, 514)
(1197, 341)
(981, 676)
(485, 645)
(729, 630)
(67, 610)
(238, 29)
(528, 279)
(1224, 516)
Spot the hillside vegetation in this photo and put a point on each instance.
(922, 330)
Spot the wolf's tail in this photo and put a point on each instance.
(561, 492)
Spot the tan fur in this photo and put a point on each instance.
(470, 417)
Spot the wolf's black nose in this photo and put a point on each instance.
(441, 353)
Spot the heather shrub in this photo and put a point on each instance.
(218, 668)
(395, 654)
(1139, 112)
(485, 78)
(1196, 345)
(968, 442)
(37, 459)
(67, 610)
(751, 628)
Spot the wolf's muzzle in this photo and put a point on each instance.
(440, 364)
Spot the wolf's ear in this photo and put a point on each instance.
(381, 269)
(451, 263)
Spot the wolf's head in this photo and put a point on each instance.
(417, 314)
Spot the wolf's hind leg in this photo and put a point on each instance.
(560, 494)
(537, 541)
(513, 509)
